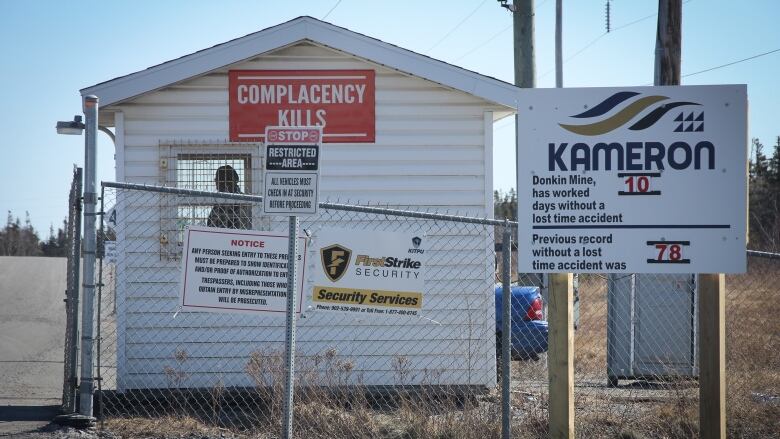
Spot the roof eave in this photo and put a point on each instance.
(303, 28)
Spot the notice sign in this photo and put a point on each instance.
(291, 173)
(633, 180)
(227, 270)
(340, 101)
(370, 274)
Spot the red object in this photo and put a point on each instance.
(535, 310)
(341, 101)
(292, 135)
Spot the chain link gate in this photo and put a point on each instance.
(73, 243)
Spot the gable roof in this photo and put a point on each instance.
(296, 30)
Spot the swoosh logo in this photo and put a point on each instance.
(608, 104)
(623, 116)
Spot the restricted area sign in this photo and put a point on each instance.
(291, 174)
(633, 180)
(244, 271)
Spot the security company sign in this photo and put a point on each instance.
(292, 172)
(342, 102)
(370, 274)
(244, 271)
(633, 180)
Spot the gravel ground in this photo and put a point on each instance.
(32, 323)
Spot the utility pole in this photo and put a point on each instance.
(525, 57)
(559, 43)
(711, 287)
(668, 43)
(560, 357)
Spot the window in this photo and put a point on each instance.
(211, 168)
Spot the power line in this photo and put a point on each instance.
(572, 56)
(457, 26)
(639, 20)
(595, 40)
(331, 9)
(587, 46)
(584, 48)
(732, 63)
(483, 43)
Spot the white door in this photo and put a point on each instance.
(664, 328)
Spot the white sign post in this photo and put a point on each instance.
(291, 187)
(369, 274)
(633, 180)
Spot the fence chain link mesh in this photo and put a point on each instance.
(73, 244)
(431, 375)
(164, 371)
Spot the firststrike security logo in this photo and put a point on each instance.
(335, 260)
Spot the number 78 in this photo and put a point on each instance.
(669, 252)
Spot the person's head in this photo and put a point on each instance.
(226, 179)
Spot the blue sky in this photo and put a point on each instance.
(50, 50)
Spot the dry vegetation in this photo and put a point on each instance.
(327, 407)
(670, 409)
(753, 350)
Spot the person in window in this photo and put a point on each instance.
(229, 216)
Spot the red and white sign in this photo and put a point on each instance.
(241, 271)
(342, 102)
(293, 135)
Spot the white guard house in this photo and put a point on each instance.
(410, 131)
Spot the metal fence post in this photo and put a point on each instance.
(72, 294)
(101, 253)
(289, 381)
(506, 329)
(88, 285)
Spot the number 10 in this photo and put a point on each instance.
(642, 183)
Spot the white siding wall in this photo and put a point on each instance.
(433, 149)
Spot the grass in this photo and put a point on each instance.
(162, 427)
(752, 367)
(332, 402)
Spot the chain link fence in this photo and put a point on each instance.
(165, 372)
(73, 244)
(429, 375)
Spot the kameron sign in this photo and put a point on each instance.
(342, 102)
(637, 180)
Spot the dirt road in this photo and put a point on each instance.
(32, 324)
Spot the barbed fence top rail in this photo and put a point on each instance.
(323, 205)
(348, 208)
(762, 254)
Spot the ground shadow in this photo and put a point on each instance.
(12, 413)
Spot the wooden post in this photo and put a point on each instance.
(560, 357)
(668, 43)
(524, 49)
(712, 356)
